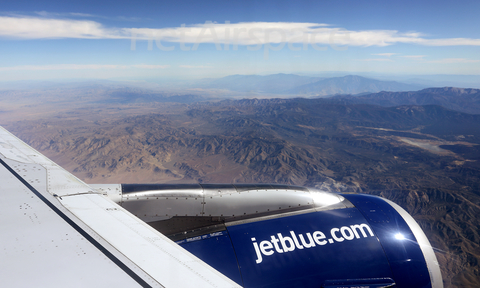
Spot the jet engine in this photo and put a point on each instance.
(269, 235)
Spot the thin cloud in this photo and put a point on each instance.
(259, 33)
(385, 54)
(245, 33)
(38, 28)
(82, 15)
(194, 67)
(376, 60)
(454, 60)
(54, 15)
(144, 66)
(79, 67)
(419, 57)
(450, 42)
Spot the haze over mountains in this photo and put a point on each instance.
(344, 89)
(350, 85)
(304, 85)
(233, 86)
(276, 83)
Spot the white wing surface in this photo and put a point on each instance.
(56, 231)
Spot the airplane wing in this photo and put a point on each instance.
(55, 230)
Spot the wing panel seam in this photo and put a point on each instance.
(82, 232)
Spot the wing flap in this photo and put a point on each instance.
(104, 231)
(39, 248)
(149, 245)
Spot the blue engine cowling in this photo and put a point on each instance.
(267, 235)
(374, 244)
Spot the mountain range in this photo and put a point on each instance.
(460, 99)
(350, 84)
(291, 84)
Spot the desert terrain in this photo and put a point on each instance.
(425, 158)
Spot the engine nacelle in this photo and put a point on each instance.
(288, 236)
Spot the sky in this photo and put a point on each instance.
(145, 40)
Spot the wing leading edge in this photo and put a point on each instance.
(58, 231)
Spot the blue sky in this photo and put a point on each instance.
(145, 40)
